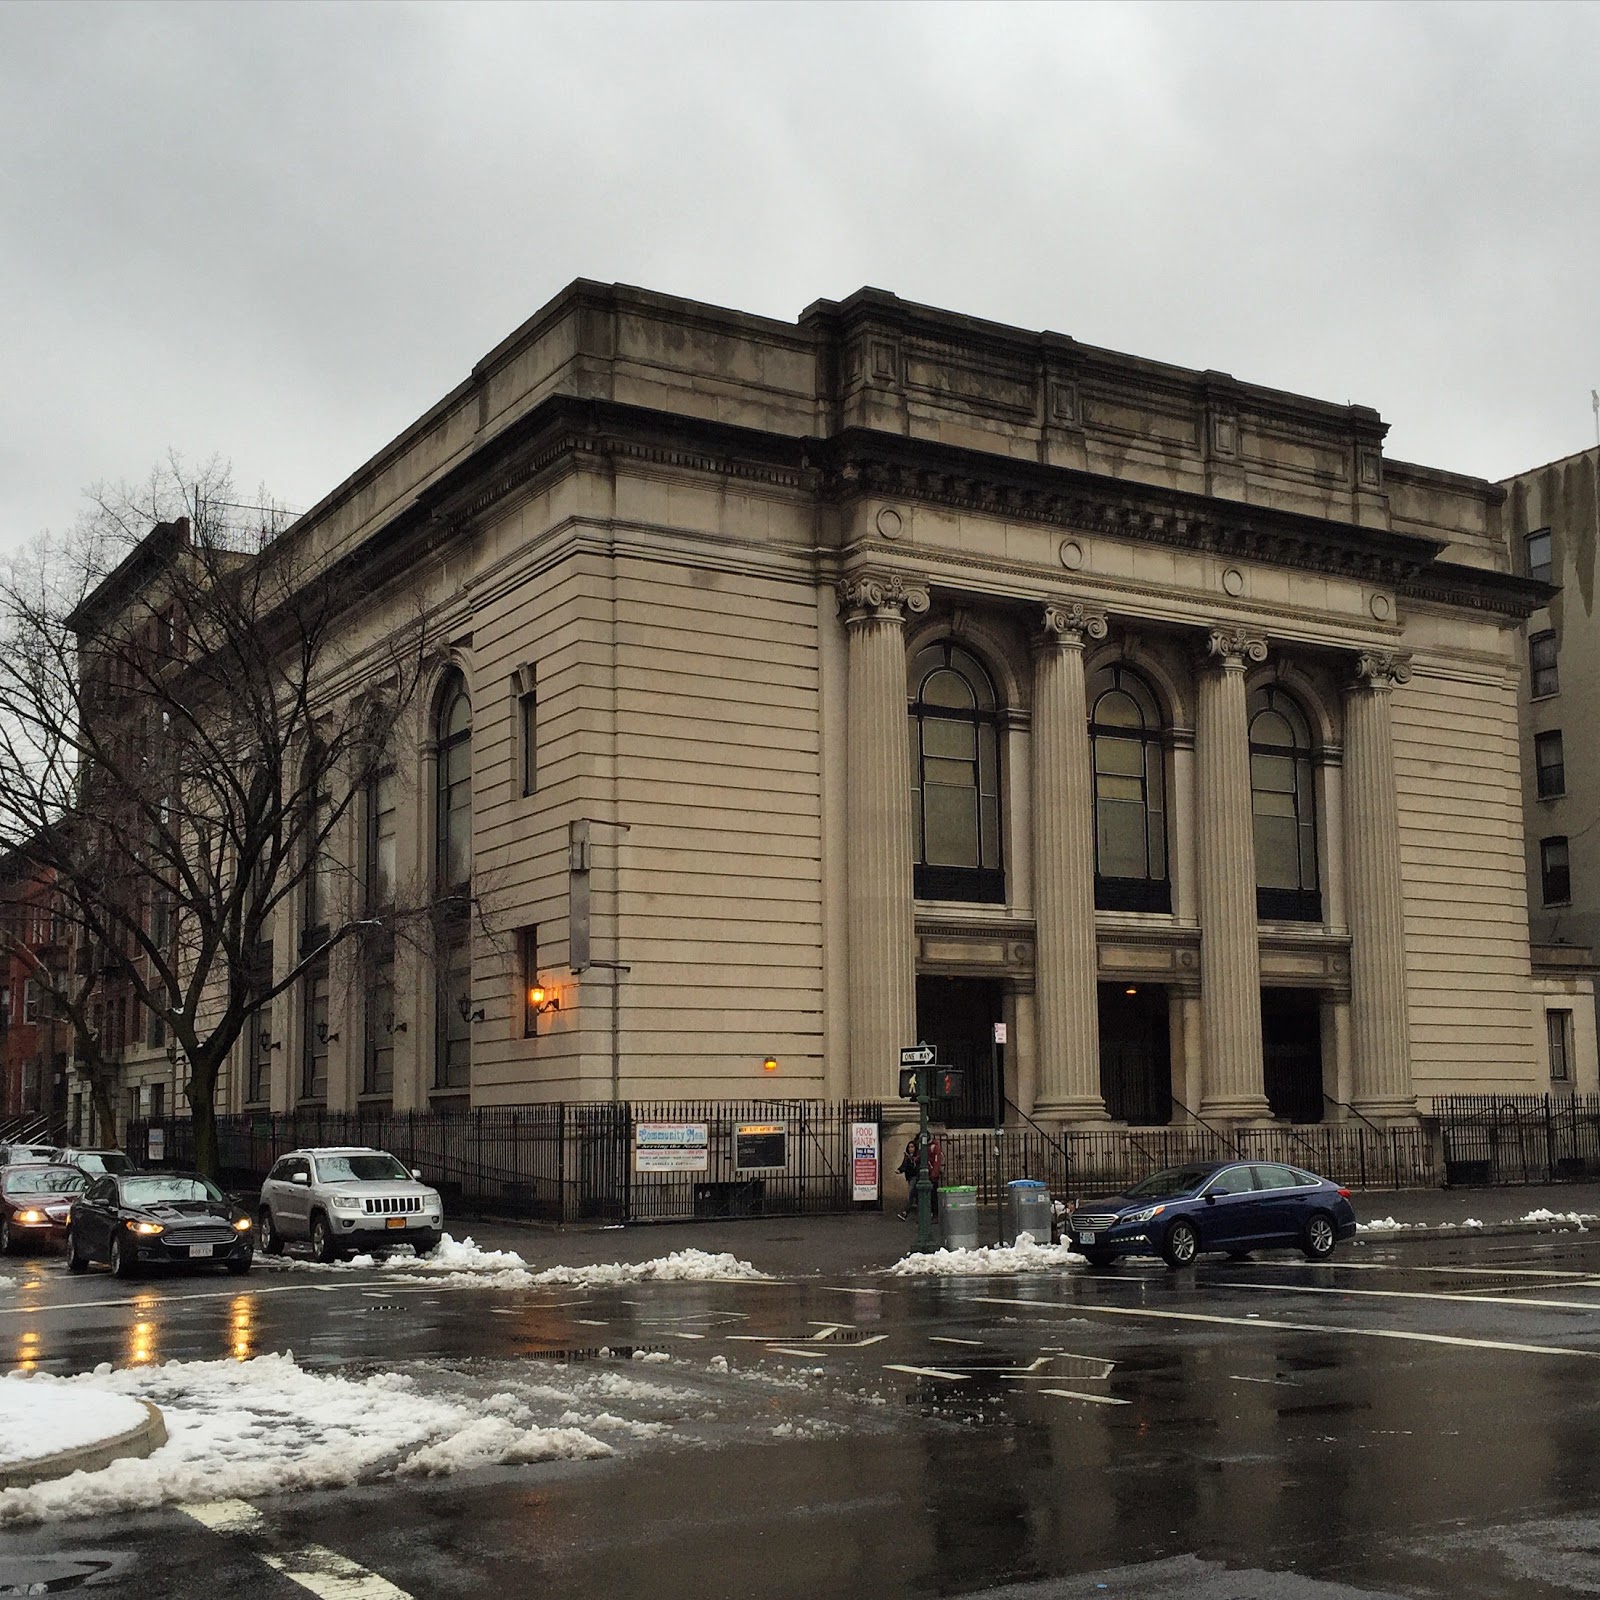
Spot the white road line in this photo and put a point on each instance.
(1282, 1383)
(225, 1516)
(1515, 1272)
(1078, 1307)
(828, 1329)
(928, 1372)
(179, 1299)
(331, 1576)
(1413, 1294)
(940, 1338)
(810, 1352)
(1093, 1399)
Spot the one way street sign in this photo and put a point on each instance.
(917, 1055)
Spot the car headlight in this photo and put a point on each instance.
(430, 1199)
(147, 1228)
(30, 1216)
(344, 1203)
(1146, 1215)
(243, 1225)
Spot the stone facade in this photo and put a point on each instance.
(890, 674)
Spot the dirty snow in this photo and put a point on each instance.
(268, 1426)
(40, 1418)
(1386, 1225)
(989, 1260)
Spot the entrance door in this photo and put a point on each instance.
(1291, 1049)
(1135, 1053)
(957, 1017)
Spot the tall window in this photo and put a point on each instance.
(1544, 672)
(955, 777)
(315, 1037)
(1284, 806)
(258, 1058)
(320, 868)
(453, 798)
(1550, 764)
(454, 1011)
(1130, 808)
(1540, 562)
(1555, 872)
(377, 1071)
(380, 865)
(528, 722)
(1558, 1025)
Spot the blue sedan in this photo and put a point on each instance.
(1232, 1206)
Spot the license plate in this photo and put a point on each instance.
(396, 1222)
(196, 1251)
(1085, 1238)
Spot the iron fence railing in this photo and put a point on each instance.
(1518, 1138)
(565, 1162)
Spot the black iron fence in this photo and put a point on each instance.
(1518, 1138)
(1106, 1161)
(633, 1161)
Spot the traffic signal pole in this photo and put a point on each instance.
(924, 1180)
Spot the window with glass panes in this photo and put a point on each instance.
(381, 815)
(1130, 811)
(453, 1010)
(314, 1039)
(377, 1073)
(453, 797)
(1555, 871)
(1549, 764)
(1540, 555)
(955, 777)
(1543, 666)
(1558, 1026)
(1283, 804)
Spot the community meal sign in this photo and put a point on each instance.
(671, 1146)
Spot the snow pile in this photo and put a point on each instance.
(1578, 1217)
(453, 1255)
(1386, 1225)
(1471, 1222)
(39, 1417)
(989, 1260)
(682, 1266)
(267, 1426)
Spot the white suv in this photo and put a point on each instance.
(347, 1199)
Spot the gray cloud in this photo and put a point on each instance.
(279, 233)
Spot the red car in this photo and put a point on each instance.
(36, 1204)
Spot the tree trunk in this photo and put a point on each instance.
(201, 1094)
(104, 1115)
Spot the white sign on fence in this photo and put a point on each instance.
(671, 1146)
(864, 1168)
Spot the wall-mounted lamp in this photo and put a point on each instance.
(465, 1007)
(540, 1000)
(1130, 991)
(274, 1044)
(391, 1026)
(324, 1037)
(770, 1064)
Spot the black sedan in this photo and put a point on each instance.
(140, 1219)
(35, 1204)
(1233, 1206)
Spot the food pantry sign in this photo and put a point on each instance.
(863, 1160)
(671, 1146)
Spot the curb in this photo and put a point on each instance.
(1453, 1230)
(149, 1436)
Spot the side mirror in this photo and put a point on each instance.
(416, 1172)
(1211, 1199)
(300, 1177)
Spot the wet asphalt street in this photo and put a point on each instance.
(1412, 1420)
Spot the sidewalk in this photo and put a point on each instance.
(868, 1241)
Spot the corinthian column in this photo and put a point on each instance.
(1381, 1064)
(1066, 961)
(1230, 959)
(883, 983)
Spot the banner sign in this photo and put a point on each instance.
(864, 1168)
(760, 1147)
(671, 1146)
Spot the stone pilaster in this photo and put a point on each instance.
(1066, 958)
(883, 989)
(1379, 1036)
(1230, 1028)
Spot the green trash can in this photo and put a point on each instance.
(958, 1216)
(1029, 1208)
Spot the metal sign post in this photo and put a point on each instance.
(920, 1059)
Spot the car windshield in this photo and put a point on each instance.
(44, 1180)
(1171, 1183)
(376, 1168)
(109, 1161)
(23, 1152)
(155, 1191)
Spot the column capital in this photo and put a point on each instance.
(880, 596)
(1070, 624)
(1230, 645)
(1379, 670)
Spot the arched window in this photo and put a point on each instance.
(1283, 800)
(955, 777)
(453, 793)
(1130, 793)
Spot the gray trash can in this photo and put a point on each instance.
(958, 1216)
(1029, 1210)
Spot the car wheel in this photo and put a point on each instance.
(323, 1244)
(421, 1250)
(271, 1239)
(1320, 1236)
(1181, 1245)
(76, 1262)
(1099, 1258)
(124, 1263)
(241, 1265)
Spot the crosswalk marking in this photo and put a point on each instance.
(326, 1573)
(1413, 1294)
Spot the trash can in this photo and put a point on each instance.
(958, 1216)
(1030, 1211)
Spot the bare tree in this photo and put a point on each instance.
(185, 726)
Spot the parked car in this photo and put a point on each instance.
(134, 1219)
(1233, 1206)
(36, 1203)
(94, 1161)
(347, 1199)
(16, 1154)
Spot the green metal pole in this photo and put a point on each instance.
(924, 1182)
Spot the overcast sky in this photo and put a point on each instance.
(277, 233)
